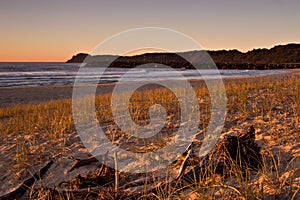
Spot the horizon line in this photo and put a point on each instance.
(78, 52)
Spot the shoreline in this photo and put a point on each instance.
(42, 94)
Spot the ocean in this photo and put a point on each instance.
(49, 74)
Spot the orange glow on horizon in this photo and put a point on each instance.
(62, 52)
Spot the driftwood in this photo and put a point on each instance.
(240, 150)
(234, 150)
(20, 191)
(83, 162)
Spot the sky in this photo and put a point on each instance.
(36, 30)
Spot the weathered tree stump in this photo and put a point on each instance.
(237, 151)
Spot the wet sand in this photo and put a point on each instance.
(33, 95)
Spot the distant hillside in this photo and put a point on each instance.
(78, 58)
(289, 53)
(281, 56)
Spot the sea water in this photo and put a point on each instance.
(49, 74)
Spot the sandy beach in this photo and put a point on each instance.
(33, 135)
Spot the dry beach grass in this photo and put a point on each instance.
(32, 134)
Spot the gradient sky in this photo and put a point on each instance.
(35, 30)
